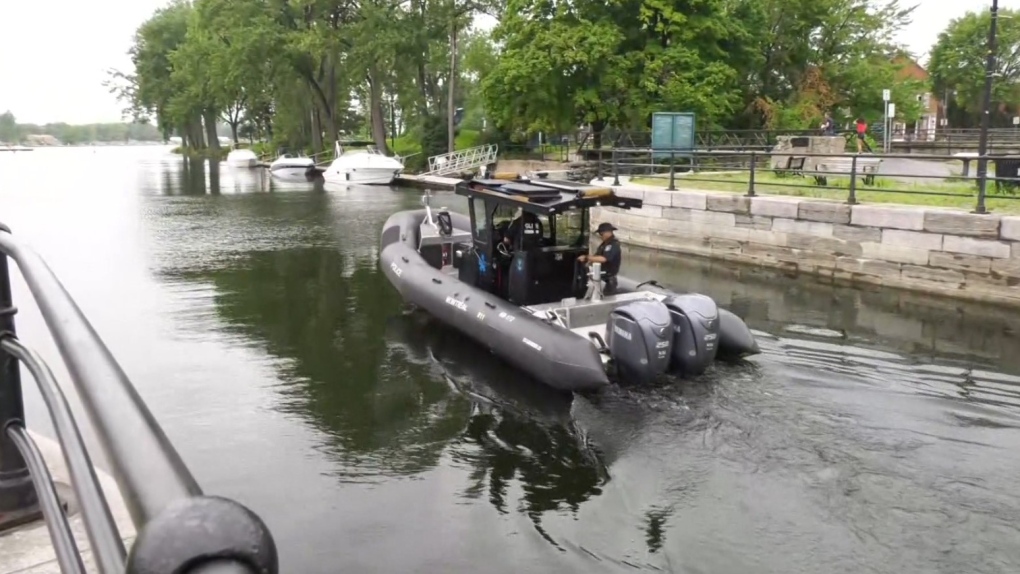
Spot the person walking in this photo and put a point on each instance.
(862, 129)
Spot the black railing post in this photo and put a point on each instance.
(980, 207)
(18, 501)
(750, 180)
(672, 171)
(598, 166)
(852, 197)
(616, 169)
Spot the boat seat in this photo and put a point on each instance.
(543, 275)
(430, 236)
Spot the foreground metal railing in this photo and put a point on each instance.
(179, 529)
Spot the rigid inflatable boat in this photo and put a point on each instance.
(533, 304)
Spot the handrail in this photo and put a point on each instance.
(179, 528)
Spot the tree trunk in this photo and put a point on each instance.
(316, 130)
(377, 118)
(233, 132)
(212, 139)
(451, 84)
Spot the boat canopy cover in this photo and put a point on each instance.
(545, 196)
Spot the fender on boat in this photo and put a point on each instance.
(549, 353)
(735, 338)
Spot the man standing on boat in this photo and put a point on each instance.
(608, 254)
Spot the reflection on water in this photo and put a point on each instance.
(877, 432)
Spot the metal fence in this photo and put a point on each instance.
(179, 529)
(946, 180)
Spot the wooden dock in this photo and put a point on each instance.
(427, 181)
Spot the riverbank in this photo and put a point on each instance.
(940, 251)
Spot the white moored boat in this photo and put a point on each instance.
(242, 157)
(367, 167)
(292, 166)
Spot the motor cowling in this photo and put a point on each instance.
(695, 326)
(640, 338)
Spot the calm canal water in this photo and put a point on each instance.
(878, 432)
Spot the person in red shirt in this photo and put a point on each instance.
(862, 128)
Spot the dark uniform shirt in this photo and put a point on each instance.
(610, 249)
(531, 227)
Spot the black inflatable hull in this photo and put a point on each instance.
(552, 355)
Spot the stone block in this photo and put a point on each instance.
(754, 222)
(959, 262)
(630, 192)
(765, 253)
(959, 223)
(676, 213)
(729, 203)
(715, 218)
(1016, 251)
(1006, 267)
(912, 239)
(858, 234)
(647, 211)
(690, 199)
(826, 245)
(941, 278)
(884, 269)
(889, 217)
(767, 237)
(659, 198)
(1009, 230)
(787, 207)
(972, 246)
(664, 224)
(825, 211)
(802, 227)
(720, 245)
(894, 253)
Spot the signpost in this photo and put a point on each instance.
(886, 96)
(673, 134)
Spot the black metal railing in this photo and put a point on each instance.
(853, 177)
(179, 529)
(937, 140)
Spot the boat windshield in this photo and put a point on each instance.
(572, 228)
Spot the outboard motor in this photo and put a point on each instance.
(695, 321)
(640, 339)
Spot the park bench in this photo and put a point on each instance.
(867, 168)
(794, 166)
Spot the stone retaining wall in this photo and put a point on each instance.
(948, 252)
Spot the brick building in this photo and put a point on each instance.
(932, 110)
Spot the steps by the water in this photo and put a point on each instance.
(28, 549)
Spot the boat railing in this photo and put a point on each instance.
(179, 529)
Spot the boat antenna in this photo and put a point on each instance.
(426, 199)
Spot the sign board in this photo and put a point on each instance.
(1016, 121)
(886, 95)
(892, 110)
(672, 132)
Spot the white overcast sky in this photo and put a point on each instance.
(54, 53)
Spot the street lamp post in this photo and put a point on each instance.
(986, 112)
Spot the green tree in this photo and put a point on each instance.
(9, 128)
(957, 64)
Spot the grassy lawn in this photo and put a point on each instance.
(959, 194)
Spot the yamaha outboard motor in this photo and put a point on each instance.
(695, 333)
(640, 338)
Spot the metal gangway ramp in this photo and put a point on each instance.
(462, 160)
